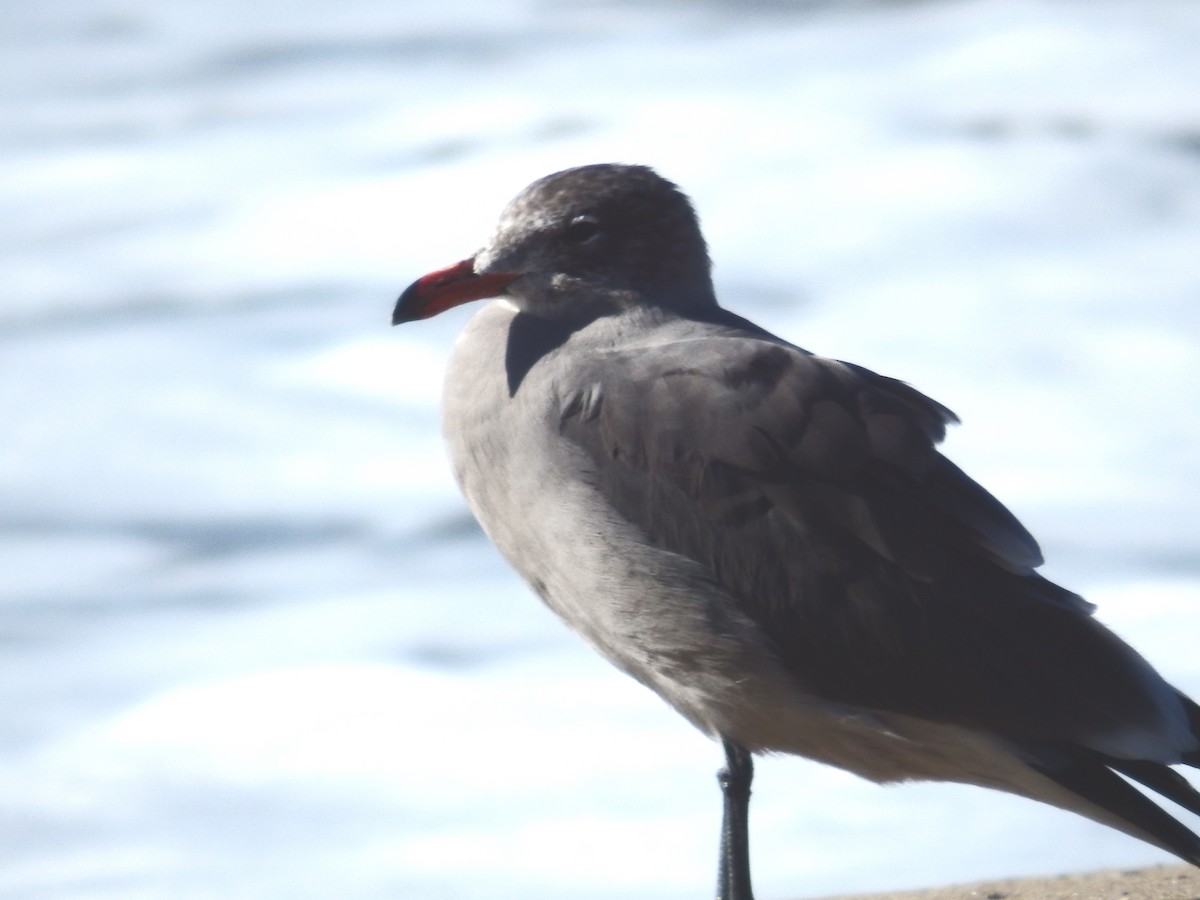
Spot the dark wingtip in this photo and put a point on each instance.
(1088, 775)
(1191, 757)
(1161, 778)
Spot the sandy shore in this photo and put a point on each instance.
(1160, 883)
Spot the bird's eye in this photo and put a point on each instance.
(582, 229)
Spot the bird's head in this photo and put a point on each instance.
(580, 243)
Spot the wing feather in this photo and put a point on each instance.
(814, 493)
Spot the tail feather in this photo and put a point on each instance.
(1087, 774)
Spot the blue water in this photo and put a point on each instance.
(254, 647)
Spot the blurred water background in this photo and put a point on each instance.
(252, 644)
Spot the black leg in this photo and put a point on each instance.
(733, 875)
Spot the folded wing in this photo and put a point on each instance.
(814, 493)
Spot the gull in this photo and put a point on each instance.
(768, 539)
